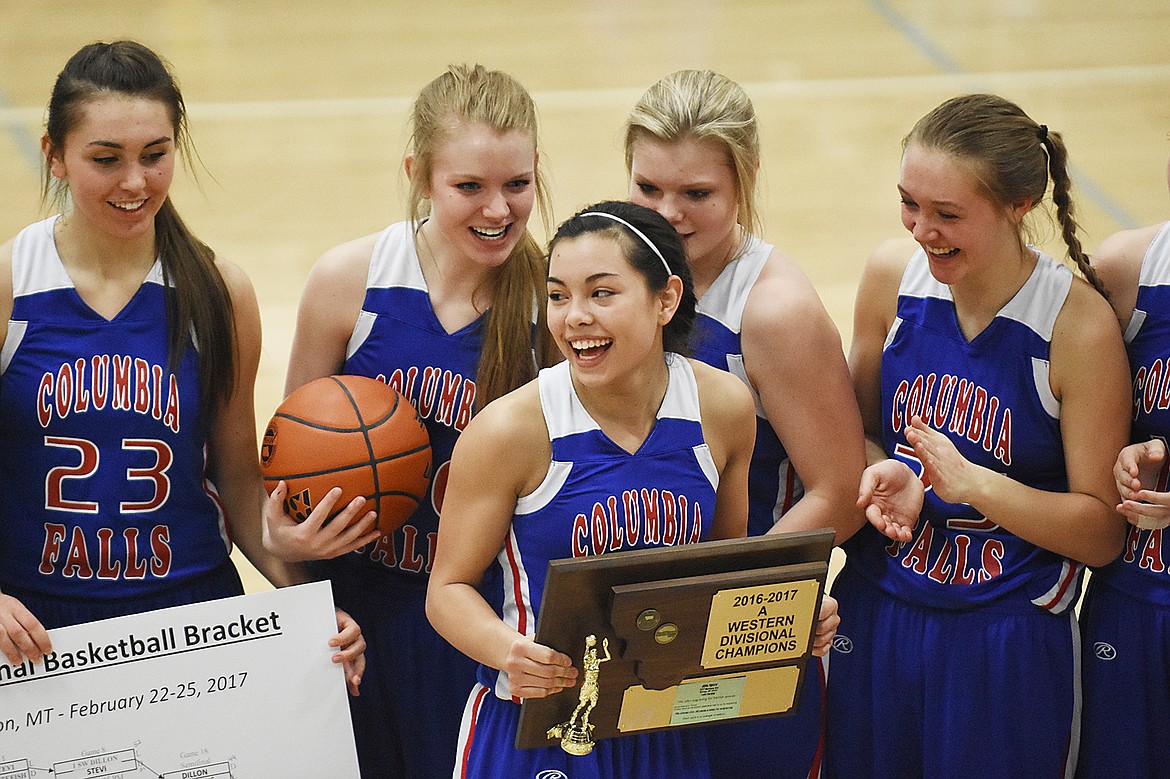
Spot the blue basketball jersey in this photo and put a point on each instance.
(991, 396)
(1141, 570)
(773, 485)
(596, 498)
(399, 340)
(599, 498)
(102, 445)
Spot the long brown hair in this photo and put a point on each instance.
(474, 94)
(198, 303)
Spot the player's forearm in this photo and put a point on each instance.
(243, 500)
(1072, 524)
(460, 615)
(825, 507)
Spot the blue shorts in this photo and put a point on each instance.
(1126, 677)
(487, 750)
(787, 747)
(943, 694)
(414, 689)
(54, 611)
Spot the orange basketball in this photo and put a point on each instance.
(351, 432)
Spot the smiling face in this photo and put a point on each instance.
(601, 312)
(482, 188)
(118, 161)
(692, 184)
(961, 229)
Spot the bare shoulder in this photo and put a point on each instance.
(5, 287)
(6, 270)
(890, 258)
(347, 262)
(508, 440)
(782, 293)
(1086, 322)
(1118, 262)
(1127, 245)
(237, 281)
(784, 303)
(722, 395)
(877, 291)
(336, 285)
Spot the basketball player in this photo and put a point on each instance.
(444, 308)
(1125, 619)
(693, 154)
(127, 455)
(625, 414)
(995, 378)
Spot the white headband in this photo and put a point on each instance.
(636, 232)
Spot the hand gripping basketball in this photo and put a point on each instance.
(351, 432)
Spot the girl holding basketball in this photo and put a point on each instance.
(444, 308)
(693, 155)
(625, 413)
(127, 453)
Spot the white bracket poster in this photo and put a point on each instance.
(239, 687)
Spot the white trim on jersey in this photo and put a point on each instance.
(36, 265)
(558, 472)
(516, 609)
(894, 328)
(1034, 308)
(1136, 320)
(361, 331)
(1038, 310)
(736, 368)
(1040, 370)
(394, 261)
(1156, 261)
(1065, 591)
(726, 298)
(707, 464)
(16, 331)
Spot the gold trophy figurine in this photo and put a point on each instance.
(576, 735)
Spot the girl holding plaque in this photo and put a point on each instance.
(626, 414)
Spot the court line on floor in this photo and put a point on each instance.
(18, 121)
(247, 110)
(925, 44)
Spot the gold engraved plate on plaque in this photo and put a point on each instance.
(768, 623)
(706, 700)
(710, 699)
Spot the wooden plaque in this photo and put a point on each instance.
(697, 634)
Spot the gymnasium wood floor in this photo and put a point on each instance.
(298, 108)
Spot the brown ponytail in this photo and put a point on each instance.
(1061, 184)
